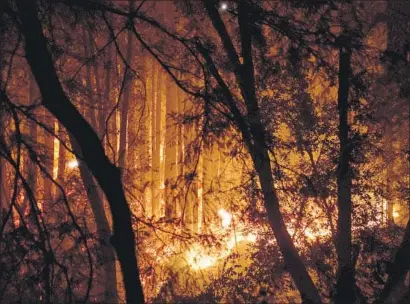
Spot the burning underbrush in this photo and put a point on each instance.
(233, 253)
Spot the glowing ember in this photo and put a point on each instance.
(72, 164)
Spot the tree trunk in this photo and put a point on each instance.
(171, 146)
(345, 282)
(48, 142)
(108, 176)
(32, 170)
(146, 148)
(155, 141)
(293, 261)
(253, 133)
(103, 227)
(94, 194)
(126, 101)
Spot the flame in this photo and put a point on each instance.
(226, 217)
(72, 164)
(197, 259)
(395, 214)
(200, 257)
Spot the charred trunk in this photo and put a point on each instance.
(345, 282)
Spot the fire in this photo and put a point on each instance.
(72, 164)
(226, 217)
(199, 257)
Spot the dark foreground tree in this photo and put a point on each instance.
(107, 174)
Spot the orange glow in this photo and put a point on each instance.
(72, 164)
(200, 257)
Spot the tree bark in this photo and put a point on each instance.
(345, 282)
(108, 175)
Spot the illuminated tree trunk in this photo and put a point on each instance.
(89, 83)
(32, 170)
(155, 141)
(171, 153)
(107, 99)
(126, 96)
(345, 284)
(180, 157)
(162, 137)
(111, 132)
(100, 110)
(211, 164)
(200, 191)
(147, 147)
(61, 156)
(108, 175)
(48, 142)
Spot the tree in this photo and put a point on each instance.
(108, 176)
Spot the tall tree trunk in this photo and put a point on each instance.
(32, 170)
(100, 110)
(155, 140)
(171, 144)
(180, 155)
(61, 156)
(48, 142)
(103, 227)
(293, 261)
(108, 175)
(253, 133)
(345, 282)
(162, 136)
(126, 95)
(88, 79)
(146, 148)
(94, 193)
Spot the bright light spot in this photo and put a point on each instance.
(224, 6)
(226, 217)
(201, 257)
(72, 164)
(197, 259)
(251, 237)
(395, 214)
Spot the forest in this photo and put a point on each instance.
(204, 151)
